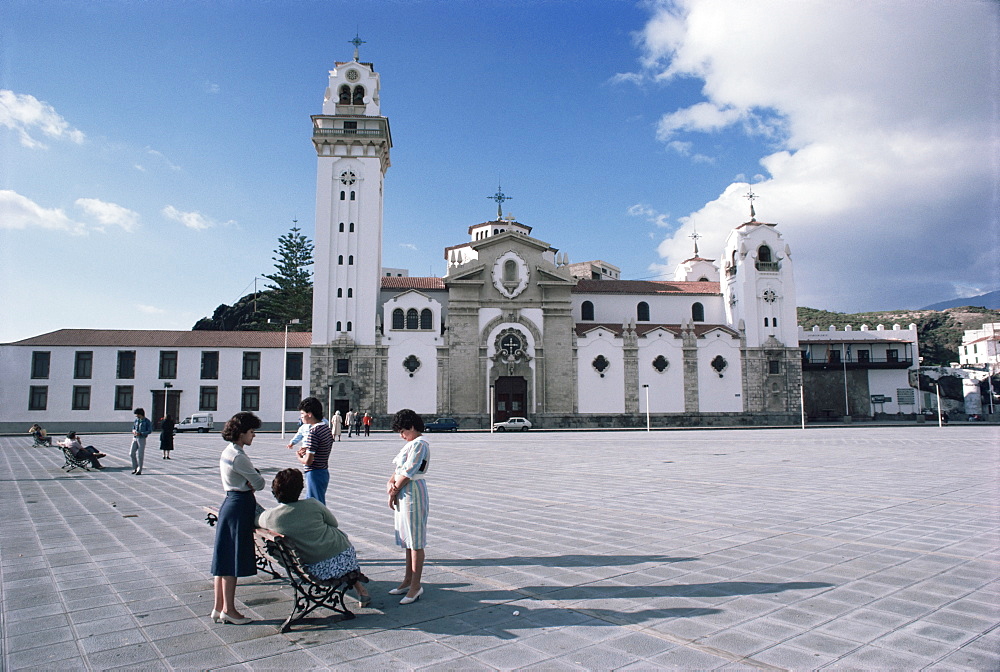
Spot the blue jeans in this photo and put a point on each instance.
(316, 482)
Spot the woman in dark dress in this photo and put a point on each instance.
(167, 437)
(234, 548)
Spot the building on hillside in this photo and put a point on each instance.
(981, 347)
(514, 329)
(860, 373)
(90, 380)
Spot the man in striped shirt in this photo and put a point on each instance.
(315, 450)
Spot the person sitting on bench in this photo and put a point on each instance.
(40, 436)
(75, 445)
(312, 528)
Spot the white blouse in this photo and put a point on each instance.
(238, 472)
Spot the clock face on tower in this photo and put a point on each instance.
(352, 75)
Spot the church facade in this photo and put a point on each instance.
(513, 330)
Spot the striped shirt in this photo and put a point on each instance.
(319, 442)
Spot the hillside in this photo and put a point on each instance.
(939, 331)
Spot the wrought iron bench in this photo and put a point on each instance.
(260, 553)
(74, 462)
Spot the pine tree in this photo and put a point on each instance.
(289, 296)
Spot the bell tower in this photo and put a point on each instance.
(352, 142)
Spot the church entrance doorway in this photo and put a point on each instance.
(342, 405)
(511, 394)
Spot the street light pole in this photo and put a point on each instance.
(284, 377)
(646, 387)
(166, 397)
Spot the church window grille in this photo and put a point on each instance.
(600, 364)
(340, 293)
(426, 319)
(660, 363)
(697, 312)
(642, 312)
(412, 319)
(340, 260)
(719, 363)
(398, 319)
(359, 95)
(587, 311)
(345, 95)
(411, 364)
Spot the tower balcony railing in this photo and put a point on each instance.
(349, 132)
(768, 266)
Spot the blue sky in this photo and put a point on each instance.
(151, 154)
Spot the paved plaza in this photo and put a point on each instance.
(843, 547)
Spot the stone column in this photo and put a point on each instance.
(690, 347)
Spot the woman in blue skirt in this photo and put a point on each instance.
(234, 548)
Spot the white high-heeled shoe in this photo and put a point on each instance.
(410, 600)
(216, 616)
(400, 591)
(226, 618)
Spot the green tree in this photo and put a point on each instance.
(289, 294)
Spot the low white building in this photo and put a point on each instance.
(91, 380)
(860, 372)
(981, 347)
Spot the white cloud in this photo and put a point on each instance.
(649, 214)
(109, 214)
(161, 157)
(211, 87)
(26, 114)
(881, 176)
(149, 310)
(192, 220)
(408, 246)
(20, 212)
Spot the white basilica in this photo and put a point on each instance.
(511, 330)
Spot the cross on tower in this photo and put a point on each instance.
(357, 42)
(695, 236)
(751, 196)
(499, 197)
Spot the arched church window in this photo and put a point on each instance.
(340, 260)
(697, 312)
(350, 292)
(345, 95)
(351, 229)
(412, 319)
(426, 319)
(338, 326)
(774, 321)
(642, 312)
(660, 363)
(359, 95)
(587, 311)
(765, 322)
(341, 227)
(398, 320)
(703, 279)
(510, 271)
(600, 364)
(343, 196)
(348, 326)
(764, 254)
(340, 293)
(350, 260)
(352, 195)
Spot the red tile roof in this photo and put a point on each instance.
(644, 287)
(137, 338)
(412, 283)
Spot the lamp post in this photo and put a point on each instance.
(646, 387)
(492, 396)
(284, 375)
(166, 397)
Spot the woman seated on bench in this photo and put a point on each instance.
(312, 528)
(75, 445)
(40, 437)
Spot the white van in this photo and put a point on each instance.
(199, 422)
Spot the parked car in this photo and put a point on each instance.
(199, 422)
(441, 425)
(514, 424)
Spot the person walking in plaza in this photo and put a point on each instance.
(336, 425)
(167, 437)
(234, 554)
(74, 442)
(141, 428)
(407, 493)
(315, 450)
(367, 422)
(349, 422)
(327, 551)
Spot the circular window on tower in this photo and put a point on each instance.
(352, 75)
(770, 295)
(348, 177)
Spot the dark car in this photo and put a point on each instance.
(441, 425)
